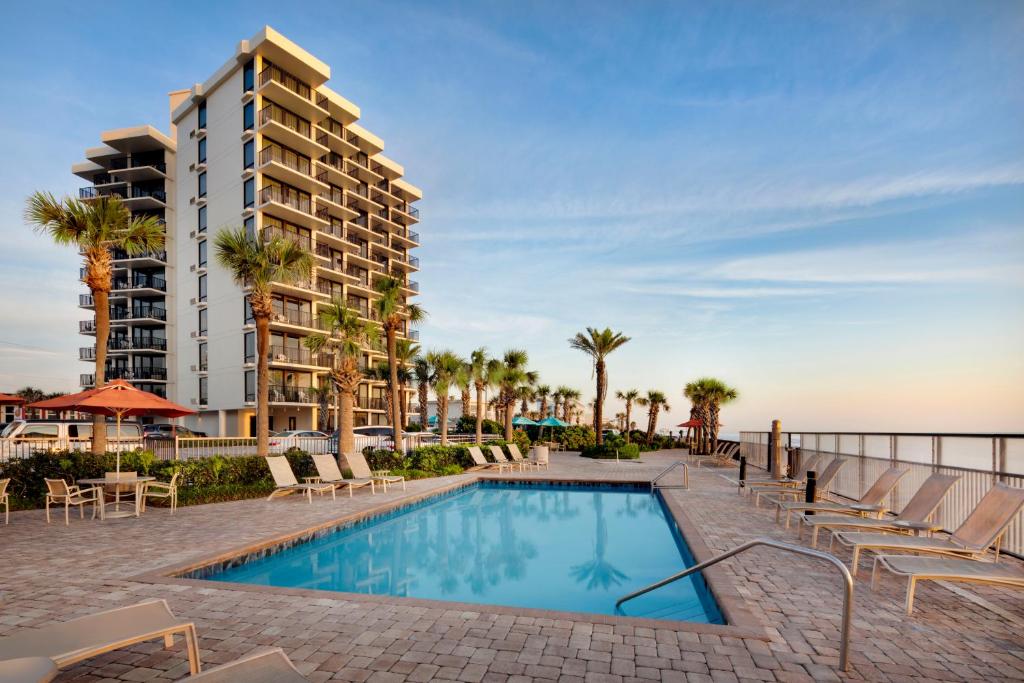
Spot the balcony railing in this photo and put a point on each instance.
(287, 196)
(285, 394)
(272, 73)
(360, 221)
(413, 334)
(86, 380)
(86, 300)
(273, 112)
(273, 231)
(287, 354)
(334, 194)
(367, 403)
(87, 353)
(285, 157)
(140, 193)
(137, 373)
(334, 229)
(413, 285)
(140, 281)
(137, 312)
(122, 255)
(301, 318)
(87, 327)
(137, 344)
(359, 274)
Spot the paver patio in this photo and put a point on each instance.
(55, 572)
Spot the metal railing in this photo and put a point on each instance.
(979, 460)
(666, 471)
(285, 157)
(289, 120)
(844, 634)
(273, 73)
(300, 201)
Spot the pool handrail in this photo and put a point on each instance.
(844, 636)
(686, 477)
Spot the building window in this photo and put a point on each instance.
(204, 385)
(249, 192)
(247, 312)
(202, 151)
(248, 116)
(202, 288)
(250, 386)
(202, 253)
(202, 219)
(250, 226)
(249, 76)
(248, 154)
(202, 322)
(202, 184)
(202, 114)
(250, 347)
(202, 357)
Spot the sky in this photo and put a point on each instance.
(820, 203)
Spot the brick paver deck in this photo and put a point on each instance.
(52, 573)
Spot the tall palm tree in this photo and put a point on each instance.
(707, 395)
(629, 396)
(525, 394)
(655, 401)
(96, 227)
(598, 344)
(406, 350)
(323, 393)
(464, 381)
(557, 399)
(341, 344)
(483, 373)
(447, 367)
(511, 376)
(381, 372)
(393, 311)
(542, 392)
(570, 397)
(423, 373)
(620, 422)
(255, 263)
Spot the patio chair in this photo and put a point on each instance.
(768, 482)
(480, 462)
(517, 456)
(28, 670)
(539, 461)
(284, 480)
(944, 569)
(722, 457)
(329, 473)
(913, 518)
(161, 490)
(59, 493)
(868, 504)
(268, 666)
(984, 526)
(5, 499)
(73, 641)
(821, 486)
(503, 462)
(360, 468)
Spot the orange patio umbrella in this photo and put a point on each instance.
(690, 424)
(115, 399)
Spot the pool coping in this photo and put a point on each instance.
(741, 621)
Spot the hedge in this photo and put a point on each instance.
(626, 451)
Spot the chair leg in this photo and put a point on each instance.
(192, 645)
(911, 585)
(47, 509)
(855, 560)
(67, 513)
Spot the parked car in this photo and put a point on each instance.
(167, 431)
(24, 436)
(304, 439)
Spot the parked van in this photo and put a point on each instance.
(24, 437)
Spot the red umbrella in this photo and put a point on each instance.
(119, 399)
(691, 423)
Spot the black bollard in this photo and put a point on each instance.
(811, 492)
(743, 470)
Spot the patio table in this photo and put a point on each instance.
(119, 485)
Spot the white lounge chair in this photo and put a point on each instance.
(503, 462)
(59, 493)
(73, 641)
(822, 482)
(360, 468)
(517, 456)
(480, 462)
(869, 504)
(722, 457)
(269, 666)
(286, 483)
(766, 482)
(944, 569)
(329, 473)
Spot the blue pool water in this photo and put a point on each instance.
(546, 546)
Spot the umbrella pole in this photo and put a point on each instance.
(118, 444)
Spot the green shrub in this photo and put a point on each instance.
(435, 458)
(383, 459)
(576, 438)
(604, 451)
(467, 425)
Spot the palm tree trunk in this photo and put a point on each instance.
(346, 420)
(403, 405)
(510, 407)
(464, 397)
(442, 412)
(262, 386)
(714, 426)
(101, 300)
(423, 396)
(544, 407)
(396, 417)
(599, 401)
(479, 415)
(629, 410)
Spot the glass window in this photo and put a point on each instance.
(202, 288)
(250, 347)
(204, 390)
(202, 184)
(202, 321)
(202, 114)
(250, 226)
(247, 311)
(250, 385)
(202, 356)
(202, 252)
(249, 76)
(249, 192)
(202, 151)
(248, 116)
(248, 154)
(40, 431)
(202, 219)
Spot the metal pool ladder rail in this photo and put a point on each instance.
(844, 636)
(686, 477)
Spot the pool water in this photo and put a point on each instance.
(555, 547)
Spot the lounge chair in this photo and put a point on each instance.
(59, 493)
(480, 462)
(329, 473)
(361, 470)
(285, 481)
(944, 569)
(793, 494)
(517, 456)
(73, 641)
(5, 499)
(912, 519)
(868, 504)
(163, 490)
(503, 462)
(28, 670)
(767, 482)
(268, 666)
(722, 457)
(972, 539)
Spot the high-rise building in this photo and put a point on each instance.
(263, 144)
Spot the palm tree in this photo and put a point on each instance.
(423, 373)
(392, 310)
(655, 402)
(406, 350)
(323, 393)
(511, 376)
(542, 392)
(96, 227)
(557, 399)
(598, 344)
(464, 381)
(629, 396)
(483, 373)
(620, 422)
(707, 395)
(447, 367)
(345, 336)
(570, 397)
(381, 372)
(525, 394)
(255, 263)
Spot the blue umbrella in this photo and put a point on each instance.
(552, 422)
(523, 421)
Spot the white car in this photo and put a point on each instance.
(304, 439)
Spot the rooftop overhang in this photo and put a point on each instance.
(368, 142)
(87, 169)
(137, 139)
(409, 188)
(392, 169)
(101, 153)
(340, 108)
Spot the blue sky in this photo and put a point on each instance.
(821, 203)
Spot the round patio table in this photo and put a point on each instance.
(119, 485)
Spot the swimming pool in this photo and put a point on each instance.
(558, 547)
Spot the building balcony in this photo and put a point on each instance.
(86, 379)
(290, 130)
(294, 319)
(291, 92)
(86, 301)
(138, 374)
(296, 395)
(152, 258)
(139, 282)
(87, 327)
(294, 206)
(367, 403)
(289, 167)
(137, 170)
(281, 355)
(302, 240)
(139, 314)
